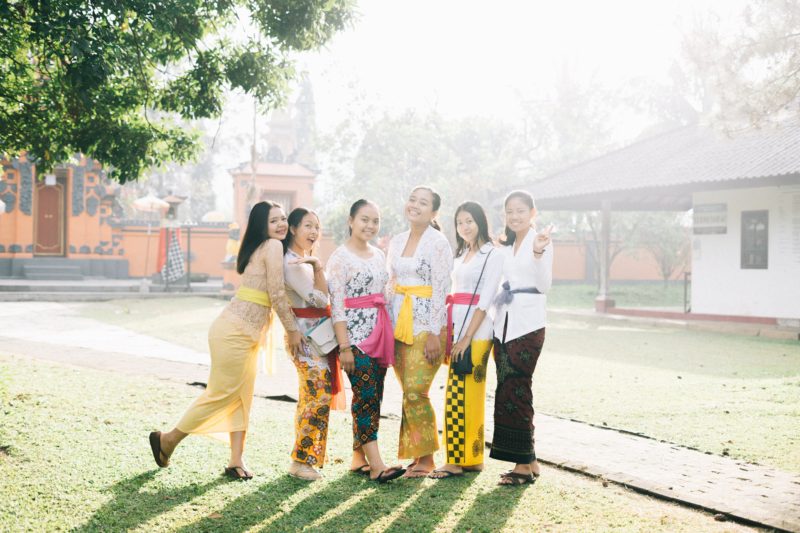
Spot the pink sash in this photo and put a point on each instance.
(460, 298)
(380, 343)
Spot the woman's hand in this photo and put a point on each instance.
(542, 240)
(432, 348)
(296, 343)
(347, 359)
(460, 348)
(309, 259)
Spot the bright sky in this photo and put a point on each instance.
(468, 57)
(482, 58)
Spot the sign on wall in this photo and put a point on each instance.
(710, 219)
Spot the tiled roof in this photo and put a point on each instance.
(691, 157)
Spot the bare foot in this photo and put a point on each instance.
(304, 472)
(535, 470)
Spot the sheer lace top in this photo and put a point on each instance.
(264, 272)
(351, 276)
(431, 264)
(300, 288)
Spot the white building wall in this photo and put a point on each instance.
(721, 286)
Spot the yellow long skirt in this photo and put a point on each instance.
(465, 396)
(418, 433)
(224, 407)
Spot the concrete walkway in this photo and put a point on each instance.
(747, 492)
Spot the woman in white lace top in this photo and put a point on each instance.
(420, 263)
(357, 280)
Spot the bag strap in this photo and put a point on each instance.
(478, 284)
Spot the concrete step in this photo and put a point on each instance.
(55, 272)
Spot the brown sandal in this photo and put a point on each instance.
(233, 473)
(155, 446)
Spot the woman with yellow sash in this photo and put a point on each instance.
(234, 339)
(420, 263)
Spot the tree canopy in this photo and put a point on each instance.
(752, 69)
(108, 78)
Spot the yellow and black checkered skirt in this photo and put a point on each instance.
(465, 398)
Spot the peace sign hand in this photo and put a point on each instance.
(542, 240)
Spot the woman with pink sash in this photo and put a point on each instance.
(476, 279)
(357, 279)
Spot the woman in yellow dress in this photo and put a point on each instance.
(234, 339)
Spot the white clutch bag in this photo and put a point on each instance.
(321, 337)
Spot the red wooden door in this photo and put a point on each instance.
(49, 224)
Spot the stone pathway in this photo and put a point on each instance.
(751, 493)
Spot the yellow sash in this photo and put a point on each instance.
(404, 330)
(266, 343)
(246, 294)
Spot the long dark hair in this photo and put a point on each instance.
(437, 203)
(509, 236)
(295, 218)
(356, 207)
(479, 216)
(255, 234)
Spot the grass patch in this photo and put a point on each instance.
(581, 296)
(730, 395)
(81, 462)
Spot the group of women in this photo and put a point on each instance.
(394, 311)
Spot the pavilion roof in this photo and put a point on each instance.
(662, 171)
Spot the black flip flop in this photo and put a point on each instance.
(233, 473)
(155, 446)
(363, 470)
(447, 474)
(388, 477)
(517, 479)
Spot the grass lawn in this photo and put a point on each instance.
(725, 394)
(74, 456)
(573, 296)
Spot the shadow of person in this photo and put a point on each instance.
(249, 510)
(130, 506)
(491, 510)
(431, 503)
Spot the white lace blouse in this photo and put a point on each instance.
(351, 276)
(431, 264)
(465, 277)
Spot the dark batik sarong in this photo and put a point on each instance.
(366, 382)
(513, 401)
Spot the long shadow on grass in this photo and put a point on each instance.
(491, 510)
(430, 505)
(248, 511)
(131, 507)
